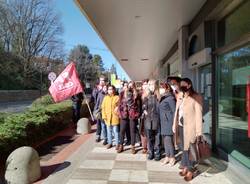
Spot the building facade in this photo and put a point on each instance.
(214, 51)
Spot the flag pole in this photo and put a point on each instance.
(85, 97)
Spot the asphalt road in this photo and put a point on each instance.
(15, 107)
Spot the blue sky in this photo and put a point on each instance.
(77, 30)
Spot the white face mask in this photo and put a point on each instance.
(173, 87)
(144, 86)
(162, 91)
(152, 88)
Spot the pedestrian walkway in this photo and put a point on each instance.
(92, 163)
(104, 166)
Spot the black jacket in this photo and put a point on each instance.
(152, 119)
(77, 99)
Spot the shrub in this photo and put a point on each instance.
(43, 101)
(42, 120)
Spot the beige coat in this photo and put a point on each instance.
(192, 115)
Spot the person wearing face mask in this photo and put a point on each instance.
(174, 81)
(110, 115)
(150, 109)
(129, 110)
(167, 111)
(188, 124)
(175, 85)
(142, 130)
(123, 114)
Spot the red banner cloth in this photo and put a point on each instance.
(66, 84)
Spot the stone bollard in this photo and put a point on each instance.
(23, 166)
(83, 126)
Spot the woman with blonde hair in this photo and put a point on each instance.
(152, 121)
(142, 130)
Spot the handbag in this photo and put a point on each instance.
(199, 150)
(203, 148)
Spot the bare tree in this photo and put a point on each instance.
(30, 29)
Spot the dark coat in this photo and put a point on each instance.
(94, 95)
(77, 100)
(152, 119)
(129, 107)
(167, 110)
(99, 100)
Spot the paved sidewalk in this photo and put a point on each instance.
(104, 166)
(92, 163)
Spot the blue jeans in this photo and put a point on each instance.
(104, 130)
(115, 130)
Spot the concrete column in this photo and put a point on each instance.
(183, 52)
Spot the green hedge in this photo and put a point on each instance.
(42, 120)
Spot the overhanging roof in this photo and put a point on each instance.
(139, 33)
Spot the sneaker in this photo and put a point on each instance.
(127, 143)
(157, 158)
(105, 142)
(171, 162)
(117, 147)
(109, 146)
(150, 157)
(165, 161)
(98, 139)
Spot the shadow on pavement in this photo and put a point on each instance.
(47, 170)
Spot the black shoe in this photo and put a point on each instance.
(157, 158)
(150, 157)
(98, 139)
(127, 143)
(105, 142)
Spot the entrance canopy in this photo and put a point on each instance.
(139, 33)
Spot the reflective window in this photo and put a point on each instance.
(234, 25)
(233, 85)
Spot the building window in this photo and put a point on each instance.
(193, 45)
(234, 25)
(233, 83)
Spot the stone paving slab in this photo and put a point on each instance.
(104, 166)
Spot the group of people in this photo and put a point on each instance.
(162, 117)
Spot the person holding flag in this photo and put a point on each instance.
(76, 107)
(68, 85)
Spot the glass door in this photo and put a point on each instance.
(233, 100)
(205, 89)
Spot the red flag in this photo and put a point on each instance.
(66, 84)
